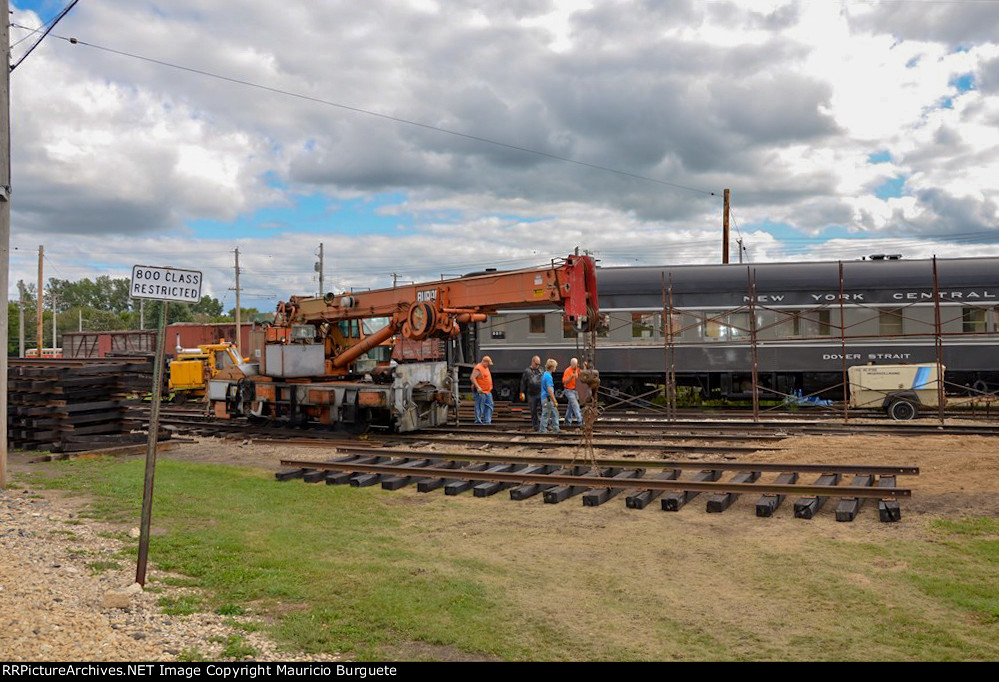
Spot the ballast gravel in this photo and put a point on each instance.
(68, 595)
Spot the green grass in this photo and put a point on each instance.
(98, 567)
(191, 655)
(353, 578)
(236, 647)
(378, 576)
(181, 606)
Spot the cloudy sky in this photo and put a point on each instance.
(424, 137)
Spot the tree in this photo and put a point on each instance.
(105, 293)
(13, 328)
(176, 312)
(211, 307)
(245, 314)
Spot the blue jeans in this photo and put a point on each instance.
(483, 408)
(572, 409)
(549, 417)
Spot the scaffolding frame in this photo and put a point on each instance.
(752, 331)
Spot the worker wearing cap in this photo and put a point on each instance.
(549, 405)
(482, 384)
(572, 412)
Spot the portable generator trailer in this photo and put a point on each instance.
(899, 390)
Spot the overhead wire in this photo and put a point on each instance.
(55, 21)
(30, 32)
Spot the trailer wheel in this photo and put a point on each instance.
(902, 410)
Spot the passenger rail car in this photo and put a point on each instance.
(790, 313)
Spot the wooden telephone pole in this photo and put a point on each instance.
(725, 212)
(239, 329)
(4, 225)
(40, 310)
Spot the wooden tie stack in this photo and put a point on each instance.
(72, 406)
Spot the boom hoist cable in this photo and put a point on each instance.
(591, 410)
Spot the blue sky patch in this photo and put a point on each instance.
(883, 156)
(963, 83)
(890, 188)
(787, 233)
(46, 9)
(315, 214)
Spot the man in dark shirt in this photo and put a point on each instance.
(530, 388)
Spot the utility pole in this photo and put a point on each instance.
(4, 225)
(54, 344)
(395, 279)
(725, 211)
(319, 269)
(239, 330)
(40, 341)
(20, 320)
(739, 242)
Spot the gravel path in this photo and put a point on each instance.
(63, 599)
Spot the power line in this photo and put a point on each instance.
(31, 32)
(396, 119)
(38, 42)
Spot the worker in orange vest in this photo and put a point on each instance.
(569, 377)
(482, 384)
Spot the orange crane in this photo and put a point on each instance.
(325, 360)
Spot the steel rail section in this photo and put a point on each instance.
(538, 442)
(596, 482)
(878, 470)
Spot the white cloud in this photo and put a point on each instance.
(783, 101)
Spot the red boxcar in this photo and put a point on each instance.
(143, 342)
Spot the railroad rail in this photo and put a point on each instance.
(611, 426)
(558, 479)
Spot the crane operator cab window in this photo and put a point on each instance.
(350, 329)
(223, 360)
(381, 353)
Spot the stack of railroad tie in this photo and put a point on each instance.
(558, 479)
(71, 406)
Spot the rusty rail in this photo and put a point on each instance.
(638, 483)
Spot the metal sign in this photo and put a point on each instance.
(166, 284)
(161, 284)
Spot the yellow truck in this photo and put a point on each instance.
(899, 390)
(193, 368)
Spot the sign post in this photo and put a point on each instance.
(161, 284)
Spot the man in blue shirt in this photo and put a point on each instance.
(549, 406)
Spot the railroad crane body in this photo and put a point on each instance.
(326, 359)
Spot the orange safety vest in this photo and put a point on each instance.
(569, 378)
(485, 378)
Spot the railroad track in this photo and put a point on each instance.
(609, 430)
(614, 438)
(558, 479)
(697, 427)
